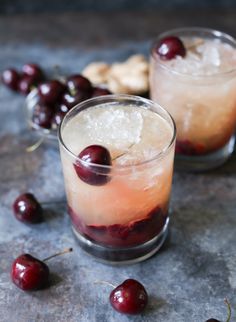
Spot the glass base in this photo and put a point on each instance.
(121, 256)
(205, 162)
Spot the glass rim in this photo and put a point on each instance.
(213, 32)
(113, 98)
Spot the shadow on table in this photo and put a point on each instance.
(226, 169)
(54, 210)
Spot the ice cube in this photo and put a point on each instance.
(118, 128)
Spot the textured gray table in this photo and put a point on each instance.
(188, 280)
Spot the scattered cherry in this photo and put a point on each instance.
(91, 174)
(170, 47)
(26, 84)
(42, 115)
(50, 92)
(29, 273)
(34, 71)
(99, 91)
(27, 208)
(130, 297)
(78, 83)
(10, 78)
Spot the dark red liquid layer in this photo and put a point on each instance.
(132, 234)
(187, 147)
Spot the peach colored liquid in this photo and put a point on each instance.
(199, 91)
(132, 135)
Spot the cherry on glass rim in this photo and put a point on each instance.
(97, 155)
(130, 297)
(170, 47)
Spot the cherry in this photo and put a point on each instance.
(62, 107)
(42, 115)
(10, 78)
(72, 100)
(29, 273)
(78, 83)
(99, 91)
(212, 320)
(91, 174)
(26, 84)
(50, 92)
(170, 47)
(27, 208)
(34, 71)
(57, 119)
(130, 297)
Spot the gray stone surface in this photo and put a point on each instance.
(196, 269)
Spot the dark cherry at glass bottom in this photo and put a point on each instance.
(122, 243)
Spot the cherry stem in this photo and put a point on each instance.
(65, 251)
(35, 146)
(229, 310)
(195, 44)
(72, 91)
(124, 153)
(104, 282)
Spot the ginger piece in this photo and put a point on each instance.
(96, 72)
(129, 77)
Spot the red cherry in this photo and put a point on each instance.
(78, 83)
(130, 297)
(50, 92)
(42, 115)
(212, 320)
(170, 47)
(10, 78)
(26, 84)
(72, 100)
(99, 91)
(29, 273)
(57, 119)
(62, 107)
(27, 208)
(34, 71)
(93, 175)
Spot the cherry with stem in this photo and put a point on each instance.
(30, 273)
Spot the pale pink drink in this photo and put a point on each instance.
(199, 91)
(122, 214)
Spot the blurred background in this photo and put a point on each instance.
(22, 6)
(89, 30)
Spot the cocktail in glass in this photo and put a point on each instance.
(199, 91)
(119, 211)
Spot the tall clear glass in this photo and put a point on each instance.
(125, 218)
(202, 105)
